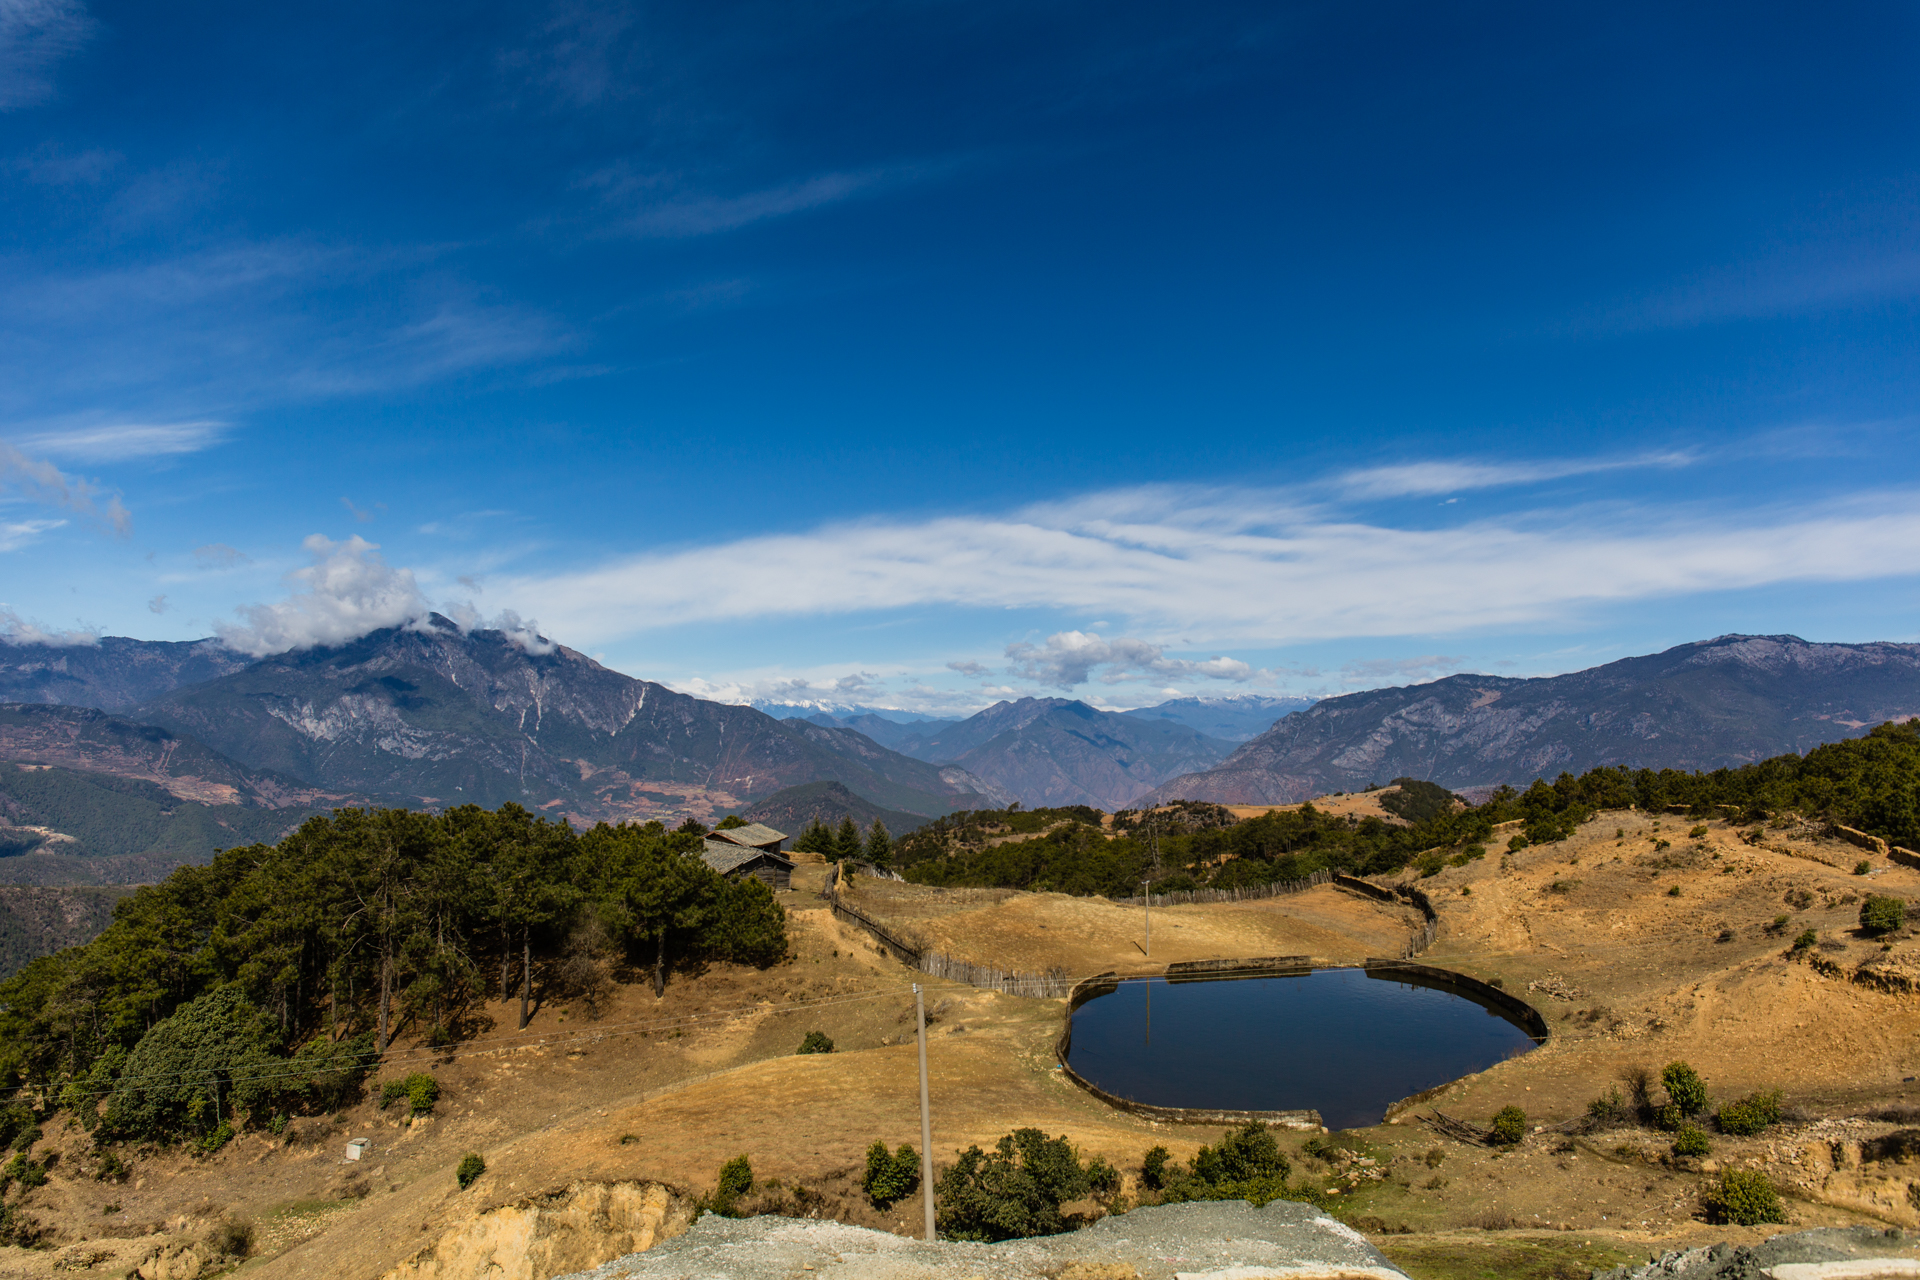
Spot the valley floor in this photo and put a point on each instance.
(1626, 972)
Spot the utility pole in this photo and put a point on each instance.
(1146, 896)
(926, 1116)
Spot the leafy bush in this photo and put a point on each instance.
(1153, 1168)
(1882, 914)
(736, 1179)
(1697, 832)
(1691, 1141)
(1516, 844)
(1861, 867)
(1743, 1197)
(471, 1167)
(1242, 1155)
(219, 1137)
(1012, 1192)
(1685, 1089)
(218, 1043)
(816, 1042)
(422, 1092)
(1751, 1114)
(391, 1092)
(1805, 941)
(1509, 1126)
(890, 1178)
(1609, 1110)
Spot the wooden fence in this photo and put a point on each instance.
(1250, 893)
(1049, 984)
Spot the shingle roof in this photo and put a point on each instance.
(754, 833)
(724, 857)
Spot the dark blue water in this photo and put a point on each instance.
(1337, 1040)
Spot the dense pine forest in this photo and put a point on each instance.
(277, 974)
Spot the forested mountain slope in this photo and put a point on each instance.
(1234, 718)
(111, 673)
(1057, 751)
(1716, 703)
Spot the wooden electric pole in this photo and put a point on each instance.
(926, 1115)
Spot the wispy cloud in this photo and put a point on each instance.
(113, 442)
(1421, 479)
(1221, 567)
(34, 36)
(37, 480)
(660, 205)
(15, 534)
(1069, 658)
(15, 629)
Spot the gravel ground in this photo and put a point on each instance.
(1212, 1241)
(1870, 1251)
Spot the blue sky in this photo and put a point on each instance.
(921, 354)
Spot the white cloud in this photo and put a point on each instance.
(660, 207)
(345, 593)
(37, 480)
(1222, 567)
(19, 533)
(1376, 670)
(1421, 479)
(1069, 658)
(158, 604)
(218, 555)
(114, 442)
(15, 629)
(968, 668)
(34, 36)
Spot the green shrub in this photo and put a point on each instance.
(1509, 1126)
(1881, 914)
(221, 1135)
(28, 1173)
(1014, 1191)
(1805, 941)
(1751, 1114)
(1697, 832)
(736, 1179)
(1685, 1089)
(1516, 844)
(1669, 1118)
(1691, 1141)
(1242, 1155)
(890, 1177)
(816, 1042)
(422, 1092)
(471, 1167)
(1674, 892)
(1861, 867)
(110, 1168)
(1153, 1169)
(391, 1092)
(218, 1042)
(1609, 1110)
(1743, 1197)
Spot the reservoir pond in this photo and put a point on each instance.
(1344, 1042)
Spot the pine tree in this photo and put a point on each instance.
(846, 841)
(816, 838)
(879, 844)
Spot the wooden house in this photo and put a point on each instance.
(738, 858)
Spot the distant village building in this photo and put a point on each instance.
(752, 850)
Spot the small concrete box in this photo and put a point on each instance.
(355, 1147)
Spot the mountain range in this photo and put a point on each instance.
(1712, 704)
(431, 714)
(1054, 751)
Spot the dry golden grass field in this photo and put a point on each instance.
(658, 1094)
